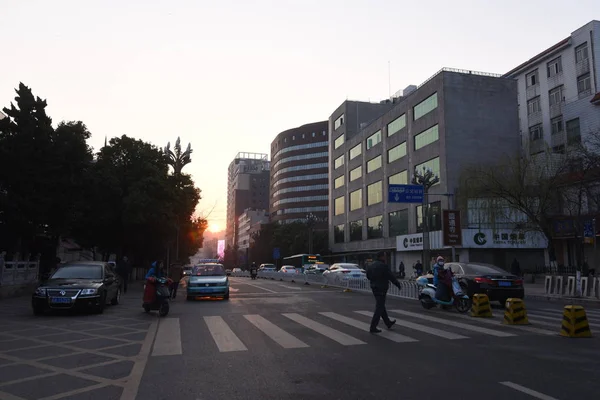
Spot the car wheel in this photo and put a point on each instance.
(100, 307)
(117, 299)
(226, 297)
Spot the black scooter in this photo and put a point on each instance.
(162, 297)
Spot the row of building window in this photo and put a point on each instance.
(300, 168)
(422, 139)
(300, 157)
(300, 178)
(300, 189)
(397, 224)
(536, 132)
(375, 190)
(302, 210)
(300, 147)
(554, 66)
(300, 199)
(314, 134)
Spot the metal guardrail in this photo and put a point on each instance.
(409, 288)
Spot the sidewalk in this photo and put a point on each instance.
(536, 291)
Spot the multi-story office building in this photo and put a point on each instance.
(247, 187)
(299, 174)
(453, 120)
(559, 94)
(246, 221)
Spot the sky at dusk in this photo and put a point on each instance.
(228, 76)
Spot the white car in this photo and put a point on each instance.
(289, 269)
(345, 271)
(237, 270)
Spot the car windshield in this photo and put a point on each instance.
(482, 269)
(208, 270)
(78, 272)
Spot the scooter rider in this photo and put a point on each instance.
(442, 290)
(253, 270)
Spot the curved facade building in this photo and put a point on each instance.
(299, 174)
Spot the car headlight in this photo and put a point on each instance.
(88, 292)
(40, 292)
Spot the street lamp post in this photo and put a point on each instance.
(427, 179)
(178, 159)
(310, 221)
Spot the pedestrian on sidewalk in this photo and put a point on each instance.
(123, 270)
(515, 268)
(380, 275)
(175, 274)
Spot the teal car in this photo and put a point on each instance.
(207, 280)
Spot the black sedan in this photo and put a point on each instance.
(80, 285)
(488, 279)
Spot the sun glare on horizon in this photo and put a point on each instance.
(214, 228)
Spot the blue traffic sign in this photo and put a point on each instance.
(588, 229)
(276, 254)
(405, 194)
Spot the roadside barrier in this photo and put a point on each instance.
(481, 306)
(408, 288)
(575, 323)
(515, 313)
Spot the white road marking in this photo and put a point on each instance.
(455, 324)
(528, 391)
(130, 389)
(280, 336)
(557, 320)
(422, 328)
(498, 322)
(324, 330)
(223, 336)
(260, 287)
(168, 338)
(291, 287)
(396, 337)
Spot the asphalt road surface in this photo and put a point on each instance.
(281, 340)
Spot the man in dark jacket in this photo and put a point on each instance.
(380, 276)
(123, 270)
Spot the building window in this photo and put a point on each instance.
(433, 165)
(426, 106)
(532, 78)
(375, 227)
(355, 230)
(374, 139)
(554, 67)
(401, 178)
(581, 53)
(584, 84)
(338, 233)
(338, 162)
(339, 206)
(339, 182)
(534, 105)
(374, 164)
(374, 193)
(427, 137)
(313, 134)
(398, 223)
(355, 173)
(355, 151)
(557, 125)
(396, 153)
(356, 200)
(573, 132)
(397, 124)
(536, 133)
(338, 122)
(555, 95)
(434, 217)
(294, 137)
(339, 141)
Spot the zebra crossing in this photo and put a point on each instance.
(237, 333)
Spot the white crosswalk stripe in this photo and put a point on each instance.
(422, 328)
(331, 325)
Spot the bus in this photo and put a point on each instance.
(302, 260)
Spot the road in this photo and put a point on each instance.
(280, 340)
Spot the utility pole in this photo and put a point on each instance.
(427, 179)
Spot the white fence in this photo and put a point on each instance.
(408, 288)
(18, 272)
(559, 285)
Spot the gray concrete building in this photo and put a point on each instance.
(454, 119)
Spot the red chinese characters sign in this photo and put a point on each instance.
(452, 228)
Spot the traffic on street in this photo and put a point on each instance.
(286, 340)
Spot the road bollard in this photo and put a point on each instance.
(515, 313)
(575, 323)
(481, 306)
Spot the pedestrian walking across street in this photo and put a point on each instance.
(380, 275)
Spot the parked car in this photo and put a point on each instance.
(315, 269)
(187, 270)
(289, 269)
(208, 280)
(81, 285)
(345, 271)
(498, 284)
(237, 271)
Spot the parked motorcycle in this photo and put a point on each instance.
(157, 295)
(458, 298)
